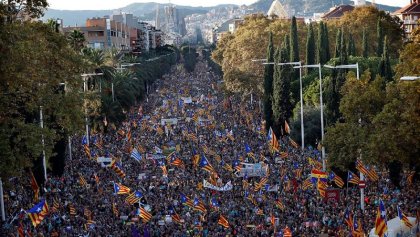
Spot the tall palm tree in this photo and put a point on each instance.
(77, 40)
(113, 56)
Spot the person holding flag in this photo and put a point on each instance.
(38, 213)
(380, 223)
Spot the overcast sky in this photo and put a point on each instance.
(113, 4)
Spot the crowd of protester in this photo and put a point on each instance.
(211, 125)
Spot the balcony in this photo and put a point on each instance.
(410, 22)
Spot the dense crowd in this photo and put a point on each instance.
(211, 125)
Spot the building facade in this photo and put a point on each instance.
(121, 31)
(410, 16)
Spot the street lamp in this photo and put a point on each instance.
(322, 110)
(409, 78)
(362, 178)
(3, 214)
(44, 163)
(259, 60)
(84, 76)
(348, 66)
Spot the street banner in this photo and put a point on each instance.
(171, 121)
(252, 170)
(332, 195)
(228, 186)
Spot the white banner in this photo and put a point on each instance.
(252, 170)
(187, 100)
(172, 121)
(228, 186)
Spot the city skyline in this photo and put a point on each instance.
(112, 4)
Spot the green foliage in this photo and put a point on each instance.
(366, 18)
(34, 60)
(294, 43)
(410, 57)
(312, 125)
(365, 49)
(268, 84)
(282, 106)
(362, 100)
(338, 43)
(189, 54)
(351, 47)
(11, 10)
(385, 65)
(323, 49)
(77, 40)
(310, 47)
(326, 41)
(379, 38)
(216, 68)
(389, 122)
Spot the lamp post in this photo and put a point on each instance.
(362, 178)
(348, 66)
(44, 163)
(322, 110)
(409, 78)
(85, 89)
(3, 214)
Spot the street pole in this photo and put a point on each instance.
(86, 116)
(357, 68)
(3, 214)
(362, 193)
(70, 155)
(112, 88)
(44, 163)
(362, 178)
(301, 108)
(322, 119)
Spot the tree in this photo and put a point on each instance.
(34, 60)
(410, 57)
(282, 105)
(379, 38)
(365, 49)
(312, 125)
(294, 45)
(351, 48)
(268, 84)
(338, 43)
(11, 10)
(366, 18)
(323, 47)
(385, 65)
(77, 40)
(393, 140)
(310, 47)
(277, 90)
(189, 54)
(326, 41)
(361, 101)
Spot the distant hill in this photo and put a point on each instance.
(308, 7)
(145, 11)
